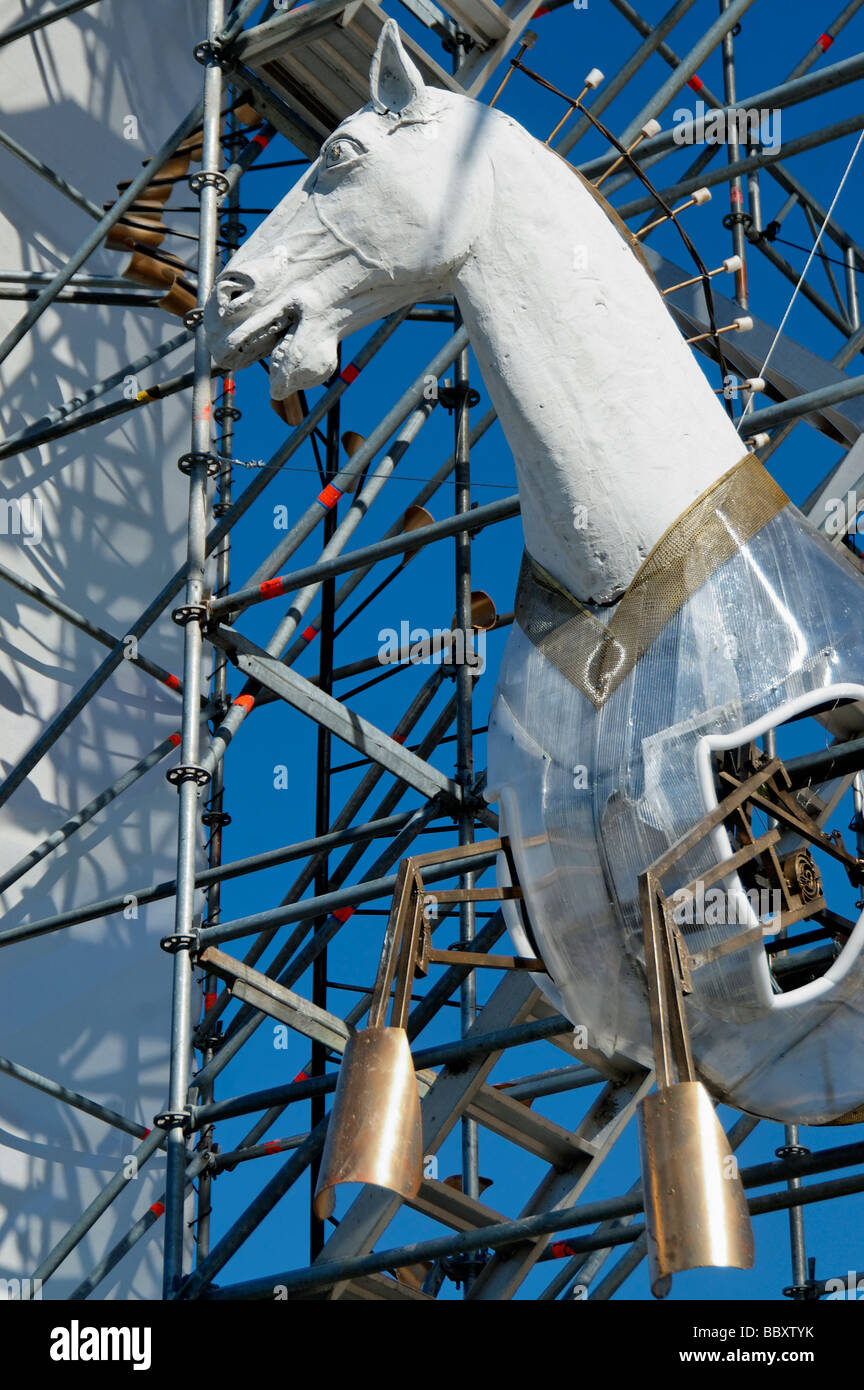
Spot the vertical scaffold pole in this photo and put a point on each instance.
(464, 720)
(216, 818)
(464, 708)
(797, 1245)
(852, 311)
(736, 185)
(208, 183)
(322, 804)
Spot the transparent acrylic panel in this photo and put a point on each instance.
(591, 797)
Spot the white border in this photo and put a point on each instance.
(711, 743)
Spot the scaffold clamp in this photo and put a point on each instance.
(217, 180)
(189, 613)
(171, 1119)
(178, 941)
(187, 462)
(187, 772)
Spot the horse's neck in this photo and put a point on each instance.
(612, 426)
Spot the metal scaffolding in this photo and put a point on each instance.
(304, 70)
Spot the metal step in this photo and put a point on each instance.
(512, 1120)
(452, 1207)
(317, 59)
(258, 990)
(377, 1288)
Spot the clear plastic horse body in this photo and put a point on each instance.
(591, 797)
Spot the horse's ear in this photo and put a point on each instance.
(394, 81)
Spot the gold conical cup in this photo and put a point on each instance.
(374, 1134)
(695, 1209)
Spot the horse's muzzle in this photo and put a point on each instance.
(236, 334)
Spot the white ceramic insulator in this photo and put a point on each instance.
(754, 383)
(594, 78)
(732, 263)
(759, 441)
(743, 325)
(702, 195)
(650, 128)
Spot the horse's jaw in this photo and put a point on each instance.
(307, 353)
(303, 351)
(302, 337)
(294, 312)
(302, 358)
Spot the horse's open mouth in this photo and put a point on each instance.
(281, 345)
(304, 354)
(242, 347)
(272, 335)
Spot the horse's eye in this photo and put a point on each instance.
(339, 152)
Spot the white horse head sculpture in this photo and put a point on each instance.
(365, 231)
(424, 193)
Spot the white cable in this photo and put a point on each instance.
(801, 277)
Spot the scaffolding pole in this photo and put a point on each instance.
(188, 778)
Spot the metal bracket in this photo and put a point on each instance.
(408, 950)
(187, 772)
(457, 955)
(210, 51)
(212, 1039)
(792, 1151)
(208, 1155)
(190, 613)
(801, 1293)
(178, 942)
(766, 790)
(673, 1058)
(458, 41)
(452, 396)
(737, 219)
(187, 462)
(170, 1119)
(202, 177)
(232, 230)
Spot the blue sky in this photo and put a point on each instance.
(774, 36)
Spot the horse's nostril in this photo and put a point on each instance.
(232, 288)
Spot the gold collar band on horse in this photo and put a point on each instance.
(597, 657)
